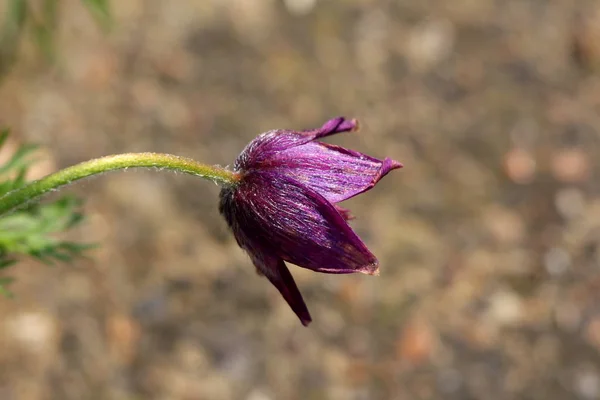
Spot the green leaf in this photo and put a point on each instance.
(44, 38)
(19, 179)
(10, 33)
(19, 159)
(41, 24)
(43, 30)
(15, 17)
(50, 11)
(32, 230)
(4, 282)
(100, 9)
(3, 136)
(7, 263)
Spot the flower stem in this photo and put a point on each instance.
(52, 182)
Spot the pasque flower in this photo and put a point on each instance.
(283, 207)
(280, 201)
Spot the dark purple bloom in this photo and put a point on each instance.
(283, 207)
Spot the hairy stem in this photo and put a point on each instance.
(36, 189)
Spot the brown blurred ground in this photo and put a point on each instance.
(488, 239)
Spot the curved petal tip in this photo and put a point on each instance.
(387, 165)
(337, 125)
(392, 164)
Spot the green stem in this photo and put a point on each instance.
(35, 189)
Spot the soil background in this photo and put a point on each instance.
(488, 239)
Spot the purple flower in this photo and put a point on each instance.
(284, 206)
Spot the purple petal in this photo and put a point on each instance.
(333, 126)
(334, 172)
(279, 275)
(268, 210)
(259, 152)
(263, 257)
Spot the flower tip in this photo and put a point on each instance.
(396, 164)
(306, 320)
(387, 166)
(337, 125)
(370, 269)
(355, 125)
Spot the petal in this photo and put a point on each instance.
(259, 152)
(334, 172)
(279, 275)
(298, 224)
(263, 257)
(333, 126)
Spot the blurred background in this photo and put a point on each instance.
(488, 238)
